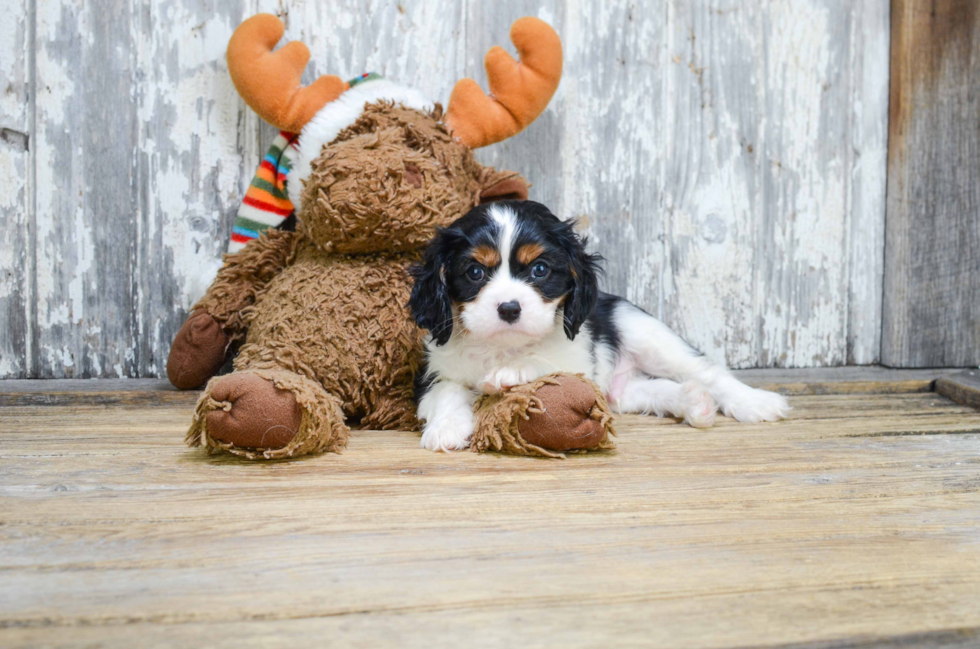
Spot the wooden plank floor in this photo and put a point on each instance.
(857, 521)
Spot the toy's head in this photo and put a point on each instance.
(379, 167)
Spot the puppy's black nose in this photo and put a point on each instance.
(509, 311)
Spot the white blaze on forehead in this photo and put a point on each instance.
(506, 220)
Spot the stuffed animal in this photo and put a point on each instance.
(313, 293)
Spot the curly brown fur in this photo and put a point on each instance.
(322, 427)
(243, 276)
(387, 182)
(499, 418)
(340, 320)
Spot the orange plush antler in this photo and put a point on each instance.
(519, 90)
(269, 81)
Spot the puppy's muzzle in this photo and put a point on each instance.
(509, 312)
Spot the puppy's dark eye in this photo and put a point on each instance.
(539, 270)
(474, 273)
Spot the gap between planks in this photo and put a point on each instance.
(790, 382)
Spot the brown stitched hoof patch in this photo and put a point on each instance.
(259, 416)
(197, 353)
(566, 423)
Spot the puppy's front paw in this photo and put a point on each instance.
(451, 432)
(755, 405)
(700, 408)
(504, 378)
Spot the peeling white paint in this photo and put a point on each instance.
(727, 159)
(761, 138)
(869, 65)
(9, 367)
(15, 189)
(13, 215)
(84, 253)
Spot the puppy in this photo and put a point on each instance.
(508, 294)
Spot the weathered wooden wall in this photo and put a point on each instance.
(729, 158)
(932, 280)
(16, 187)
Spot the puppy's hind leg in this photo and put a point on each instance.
(660, 352)
(643, 395)
(746, 403)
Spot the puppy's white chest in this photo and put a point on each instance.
(488, 359)
(472, 362)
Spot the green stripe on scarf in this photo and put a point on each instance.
(259, 183)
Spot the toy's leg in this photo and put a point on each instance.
(390, 407)
(556, 413)
(267, 414)
(198, 351)
(201, 346)
(660, 397)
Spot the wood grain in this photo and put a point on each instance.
(945, 639)
(867, 58)
(196, 152)
(740, 202)
(86, 138)
(773, 166)
(768, 257)
(962, 388)
(149, 392)
(932, 296)
(844, 380)
(854, 522)
(16, 189)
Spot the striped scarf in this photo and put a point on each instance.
(266, 203)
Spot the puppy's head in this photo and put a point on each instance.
(508, 271)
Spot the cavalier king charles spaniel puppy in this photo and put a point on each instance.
(508, 294)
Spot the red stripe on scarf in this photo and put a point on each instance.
(265, 207)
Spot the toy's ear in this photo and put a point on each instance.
(269, 81)
(430, 304)
(519, 90)
(511, 187)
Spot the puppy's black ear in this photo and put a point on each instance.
(430, 304)
(585, 270)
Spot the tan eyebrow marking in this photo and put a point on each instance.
(486, 255)
(529, 252)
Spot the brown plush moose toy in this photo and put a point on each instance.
(318, 315)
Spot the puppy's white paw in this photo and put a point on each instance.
(753, 405)
(700, 408)
(504, 378)
(451, 432)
